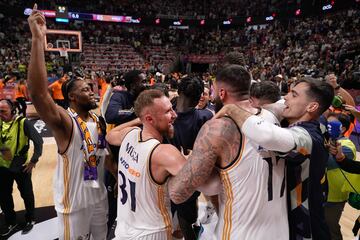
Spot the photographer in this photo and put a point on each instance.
(15, 134)
(346, 161)
(338, 124)
(348, 164)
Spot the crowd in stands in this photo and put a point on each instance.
(114, 58)
(311, 46)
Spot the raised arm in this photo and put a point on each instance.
(353, 111)
(57, 119)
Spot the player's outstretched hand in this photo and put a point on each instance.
(37, 23)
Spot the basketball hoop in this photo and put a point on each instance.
(63, 52)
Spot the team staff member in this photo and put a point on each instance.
(79, 191)
(15, 134)
(187, 126)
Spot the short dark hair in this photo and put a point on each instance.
(162, 87)
(265, 90)
(236, 77)
(11, 105)
(131, 77)
(345, 121)
(234, 58)
(146, 99)
(206, 85)
(192, 88)
(67, 87)
(173, 84)
(320, 91)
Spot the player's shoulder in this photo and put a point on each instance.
(165, 149)
(205, 113)
(222, 122)
(220, 127)
(165, 153)
(269, 116)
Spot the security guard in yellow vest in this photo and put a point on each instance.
(338, 191)
(15, 133)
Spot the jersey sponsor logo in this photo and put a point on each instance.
(132, 171)
(131, 151)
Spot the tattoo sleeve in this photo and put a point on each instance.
(214, 141)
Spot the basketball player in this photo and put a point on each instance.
(252, 200)
(143, 168)
(79, 192)
(262, 93)
(305, 154)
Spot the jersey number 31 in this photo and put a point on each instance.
(124, 193)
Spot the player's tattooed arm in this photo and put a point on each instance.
(215, 141)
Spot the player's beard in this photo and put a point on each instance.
(168, 132)
(171, 132)
(218, 104)
(89, 106)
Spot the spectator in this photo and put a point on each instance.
(21, 95)
(56, 93)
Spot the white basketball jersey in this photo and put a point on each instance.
(143, 205)
(253, 197)
(71, 191)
